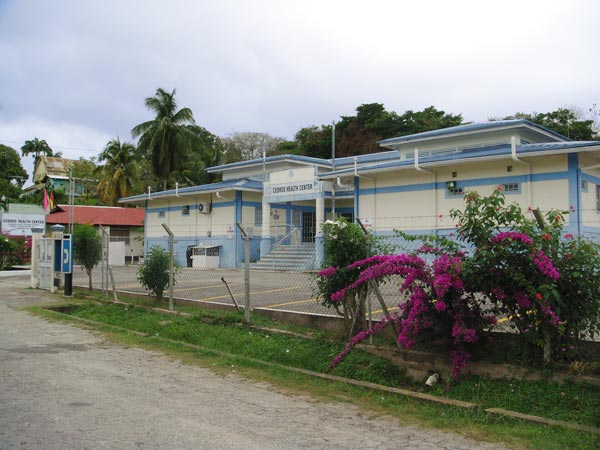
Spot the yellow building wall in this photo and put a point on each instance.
(417, 207)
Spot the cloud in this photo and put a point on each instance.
(84, 68)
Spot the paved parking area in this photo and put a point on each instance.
(288, 291)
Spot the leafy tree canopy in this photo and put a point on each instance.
(13, 173)
(246, 145)
(37, 148)
(206, 150)
(359, 134)
(567, 121)
(166, 139)
(119, 174)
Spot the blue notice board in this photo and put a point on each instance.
(66, 257)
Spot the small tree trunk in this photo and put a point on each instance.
(547, 346)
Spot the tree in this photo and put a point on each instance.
(566, 121)
(206, 151)
(13, 173)
(36, 148)
(315, 141)
(166, 138)
(119, 174)
(87, 247)
(359, 134)
(243, 146)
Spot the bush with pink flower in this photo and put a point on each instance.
(540, 281)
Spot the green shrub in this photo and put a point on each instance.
(87, 248)
(154, 274)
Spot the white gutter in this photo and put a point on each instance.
(513, 153)
(176, 189)
(435, 199)
(222, 197)
(356, 170)
(149, 196)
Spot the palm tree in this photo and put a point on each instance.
(166, 138)
(119, 173)
(37, 148)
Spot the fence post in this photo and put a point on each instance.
(246, 238)
(105, 259)
(171, 242)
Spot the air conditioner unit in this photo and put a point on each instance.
(204, 208)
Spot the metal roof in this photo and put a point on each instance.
(270, 160)
(469, 128)
(98, 215)
(486, 152)
(241, 184)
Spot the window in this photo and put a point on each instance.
(511, 187)
(161, 214)
(584, 186)
(598, 197)
(185, 211)
(119, 235)
(455, 191)
(257, 217)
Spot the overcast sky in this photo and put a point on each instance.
(76, 73)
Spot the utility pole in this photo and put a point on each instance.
(333, 168)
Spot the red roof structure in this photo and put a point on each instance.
(98, 215)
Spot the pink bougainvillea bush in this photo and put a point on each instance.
(538, 278)
(502, 265)
(437, 308)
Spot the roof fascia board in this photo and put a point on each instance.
(533, 154)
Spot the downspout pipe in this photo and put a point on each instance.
(418, 168)
(513, 154)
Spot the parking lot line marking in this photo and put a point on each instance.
(377, 311)
(290, 303)
(203, 287)
(253, 294)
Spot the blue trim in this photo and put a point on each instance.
(590, 178)
(549, 176)
(239, 243)
(574, 192)
(356, 196)
(471, 155)
(235, 184)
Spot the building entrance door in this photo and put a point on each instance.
(308, 226)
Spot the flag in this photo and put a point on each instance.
(45, 204)
(52, 201)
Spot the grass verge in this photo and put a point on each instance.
(222, 332)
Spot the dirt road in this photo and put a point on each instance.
(66, 388)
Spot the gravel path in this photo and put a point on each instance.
(66, 388)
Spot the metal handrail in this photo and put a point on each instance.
(293, 230)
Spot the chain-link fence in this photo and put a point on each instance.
(272, 285)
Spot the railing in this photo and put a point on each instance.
(289, 235)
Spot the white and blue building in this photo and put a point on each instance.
(411, 185)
